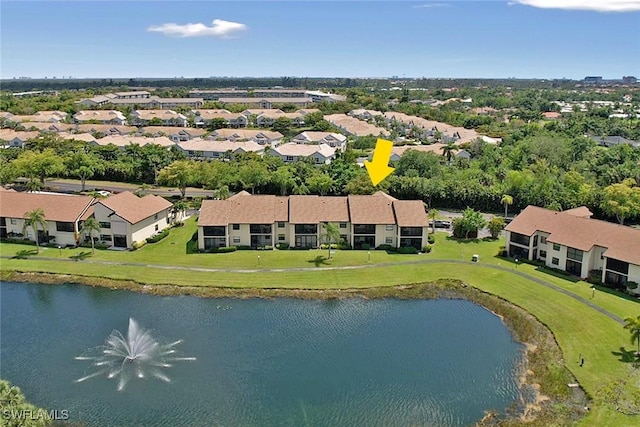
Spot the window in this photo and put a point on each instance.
(156, 227)
(555, 261)
(65, 226)
(213, 230)
(155, 216)
(281, 237)
(410, 231)
(105, 225)
(535, 241)
(236, 239)
(343, 225)
(14, 221)
(617, 265)
(364, 229)
(105, 237)
(543, 240)
(289, 158)
(543, 254)
(389, 227)
(260, 228)
(388, 240)
(236, 226)
(520, 239)
(556, 247)
(574, 254)
(280, 224)
(306, 228)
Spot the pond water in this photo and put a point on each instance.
(262, 362)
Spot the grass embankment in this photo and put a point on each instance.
(580, 331)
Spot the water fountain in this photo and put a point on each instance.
(138, 355)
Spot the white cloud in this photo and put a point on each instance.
(430, 5)
(595, 5)
(220, 29)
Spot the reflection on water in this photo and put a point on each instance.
(264, 362)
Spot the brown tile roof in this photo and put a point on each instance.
(214, 212)
(57, 207)
(379, 208)
(92, 127)
(134, 209)
(376, 209)
(410, 213)
(581, 211)
(317, 209)
(622, 242)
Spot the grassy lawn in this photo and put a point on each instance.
(579, 329)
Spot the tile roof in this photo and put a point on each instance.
(243, 208)
(134, 209)
(317, 209)
(245, 133)
(103, 115)
(9, 134)
(375, 209)
(57, 207)
(304, 150)
(314, 136)
(160, 114)
(92, 127)
(410, 213)
(565, 228)
(199, 144)
(124, 140)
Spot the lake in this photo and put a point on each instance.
(263, 362)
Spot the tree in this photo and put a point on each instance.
(507, 201)
(40, 165)
(448, 150)
(495, 226)
(433, 214)
(83, 166)
(88, 227)
(283, 178)
(633, 325)
(222, 193)
(13, 401)
(331, 235)
(217, 123)
(470, 222)
(180, 173)
(622, 200)
(319, 183)
(282, 125)
(36, 220)
(253, 174)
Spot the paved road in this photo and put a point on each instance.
(354, 267)
(117, 187)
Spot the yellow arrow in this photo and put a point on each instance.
(378, 167)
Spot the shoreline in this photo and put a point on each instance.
(540, 365)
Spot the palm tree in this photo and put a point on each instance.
(90, 225)
(36, 220)
(633, 325)
(331, 235)
(433, 214)
(222, 193)
(179, 207)
(447, 151)
(506, 201)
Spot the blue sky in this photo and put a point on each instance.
(519, 38)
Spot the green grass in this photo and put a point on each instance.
(579, 329)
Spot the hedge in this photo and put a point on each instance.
(164, 233)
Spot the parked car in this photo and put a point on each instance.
(443, 224)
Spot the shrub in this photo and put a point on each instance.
(282, 246)
(426, 249)
(595, 277)
(137, 245)
(97, 245)
(158, 237)
(366, 246)
(178, 224)
(223, 249)
(631, 285)
(431, 239)
(386, 247)
(19, 241)
(407, 250)
(265, 248)
(244, 248)
(344, 246)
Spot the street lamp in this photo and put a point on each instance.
(60, 250)
(258, 259)
(369, 256)
(516, 263)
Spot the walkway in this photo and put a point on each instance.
(354, 267)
